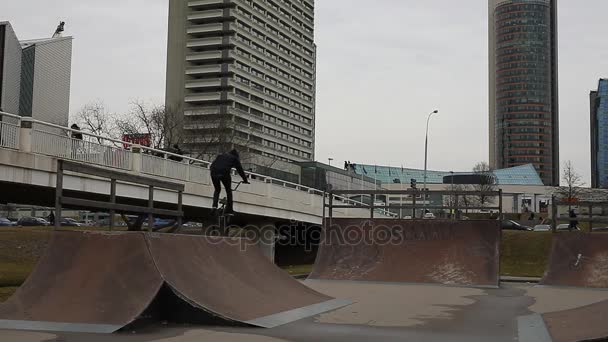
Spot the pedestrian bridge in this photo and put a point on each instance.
(29, 150)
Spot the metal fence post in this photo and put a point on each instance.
(180, 198)
(113, 201)
(553, 214)
(58, 194)
(150, 206)
(500, 211)
(373, 206)
(590, 217)
(414, 194)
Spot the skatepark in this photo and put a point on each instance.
(374, 278)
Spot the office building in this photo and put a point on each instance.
(524, 108)
(46, 72)
(35, 76)
(241, 74)
(599, 135)
(10, 69)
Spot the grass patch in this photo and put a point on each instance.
(299, 269)
(6, 293)
(524, 254)
(20, 249)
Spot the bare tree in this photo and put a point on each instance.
(487, 183)
(160, 122)
(573, 183)
(95, 119)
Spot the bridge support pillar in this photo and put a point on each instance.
(266, 240)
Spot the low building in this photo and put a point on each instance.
(326, 177)
(523, 189)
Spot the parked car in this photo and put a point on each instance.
(542, 228)
(513, 225)
(566, 226)
(33, 222)
(429, 216)
(87, 223)
(4, 222)
(68, 222)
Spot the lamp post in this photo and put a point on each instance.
(426, 153)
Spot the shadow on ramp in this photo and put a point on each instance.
(579, 260)
(410, 251)
(99, 282)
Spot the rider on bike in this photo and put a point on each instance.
(220, 174)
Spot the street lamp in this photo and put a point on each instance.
(426, 153)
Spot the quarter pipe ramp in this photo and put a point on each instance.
(102, 282)
(578, 259)
(410, 251)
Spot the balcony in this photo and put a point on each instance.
(205, 70)
(203, 97)
(204, 84)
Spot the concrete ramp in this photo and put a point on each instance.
(410, 251)
(587, 323)
(101, 282)
(578, 259)
(232, 279)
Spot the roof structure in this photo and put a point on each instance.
(520, 175)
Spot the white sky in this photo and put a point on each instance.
(383, 65)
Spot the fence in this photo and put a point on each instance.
(373, 195)
(9, 130)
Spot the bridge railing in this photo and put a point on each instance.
(76, 145)
(10, 127)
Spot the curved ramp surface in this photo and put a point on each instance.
(587, 323)
(231, 278)
(102, 282)
(86, 282)
(410, 251)
(578, 259)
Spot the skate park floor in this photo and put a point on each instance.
(384, 312)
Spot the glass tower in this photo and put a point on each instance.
(599, 136)
(523, 86)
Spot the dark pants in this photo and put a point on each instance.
(226, 180)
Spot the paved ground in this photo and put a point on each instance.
(382, 312)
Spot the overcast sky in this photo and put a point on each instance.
(383, 65)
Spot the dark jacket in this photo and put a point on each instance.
(224, 163)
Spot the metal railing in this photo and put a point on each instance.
(76, 145)
(385, 208)
(9, 130)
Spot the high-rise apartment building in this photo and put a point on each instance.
(524, 107)
(241, 74)
(599, 135)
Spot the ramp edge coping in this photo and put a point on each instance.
(285, 317)
(59, 327)
(532, 328)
